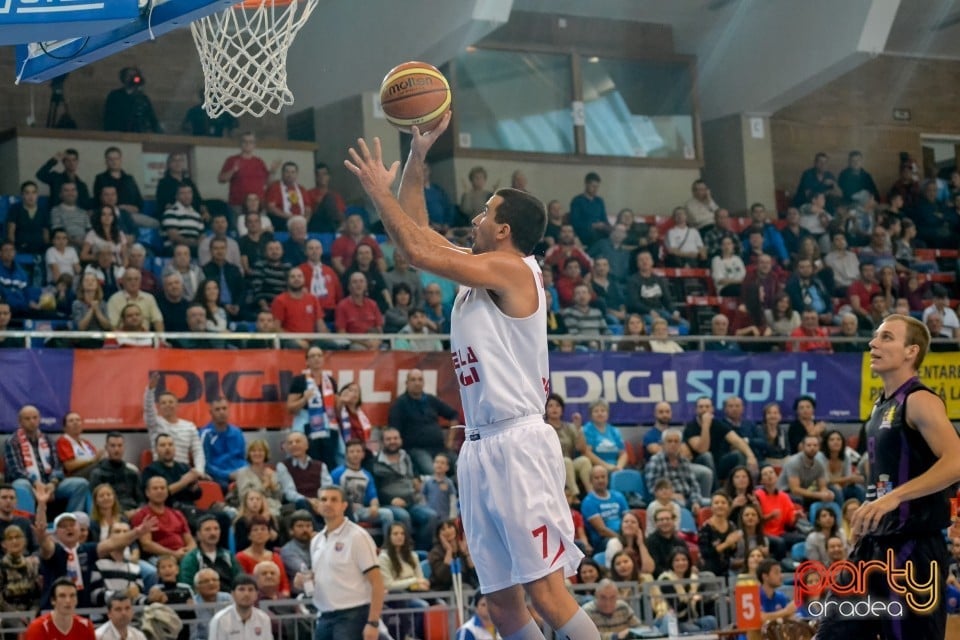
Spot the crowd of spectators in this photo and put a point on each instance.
(275, 255)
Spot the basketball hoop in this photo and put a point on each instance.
(243, 53)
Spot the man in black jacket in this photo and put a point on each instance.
(415, 415)
(123, 477)
(229, 276)
(55, 179)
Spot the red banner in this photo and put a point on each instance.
(108, 386)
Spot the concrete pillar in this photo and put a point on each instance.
(738, 154)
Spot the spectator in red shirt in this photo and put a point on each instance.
(246, 172)
(810, 328)
(568, 279)
(297, 310)
(359, 314)
(341, 254)
(321, 280)
(50, 626)
(566, 247)
(172, 535)
(328, 205)
(779, 513)
(863, 289)
(286, 198)
(76, 453)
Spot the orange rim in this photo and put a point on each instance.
(255, 4)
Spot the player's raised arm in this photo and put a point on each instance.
(498, 271)
(411, 182)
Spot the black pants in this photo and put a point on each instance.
(924, 551)
(345, 624)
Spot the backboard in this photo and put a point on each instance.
(55, 37)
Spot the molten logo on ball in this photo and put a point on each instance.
(415, 82)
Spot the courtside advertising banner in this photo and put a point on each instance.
(106, 386)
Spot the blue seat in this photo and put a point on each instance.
(421, 555)
(600, 558)
(629, 481)
(47, 325)
(242, 326)
(26, 260)
(25, 500)
(281, 236)
(326, 239)
(150, 239)
(799, 551)
(425, 567)
(158, 264)
(5, 202)
(150, 208)
(687, 522)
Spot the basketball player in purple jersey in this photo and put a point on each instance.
(510, 469)
(914, 459)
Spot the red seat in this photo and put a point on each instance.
(703, 515)
(210, 494)
(933, 254)
(146, 457)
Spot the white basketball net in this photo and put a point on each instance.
(243, 53)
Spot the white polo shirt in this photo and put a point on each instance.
(227, 625)
(340, 560)
(109, 632)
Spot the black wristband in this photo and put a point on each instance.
(373, 623)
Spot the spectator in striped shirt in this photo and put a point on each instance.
(269, 276)
(581, 318)
(181, 223)
(184, 433)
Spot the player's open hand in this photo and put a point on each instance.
(367, 164)
(867, 517)
(422, 142)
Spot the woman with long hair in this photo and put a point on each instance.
(253, 506)
(718, 537)
(588, 573)
(256, 551)
(775, 435)
(104, 231)
(825, 527)
(630, 540)
(90, 309)
(781, 317)
(104, 511)
(633, 329)
(575, 454)
(751, 524)
(750, 319)
(624, 569)
(450, 544)
(208, 296)
(397, 316)
(754, 558)
(727, 269)
(354, 423)
(259, 476)
(686, 599)
(739, 487)
(804, 423)
(842, 471)
(402, 573)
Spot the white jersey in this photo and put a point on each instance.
(501, 362)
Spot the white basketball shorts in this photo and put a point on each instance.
(514, 511)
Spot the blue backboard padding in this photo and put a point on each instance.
(165, 17)
(23, 21)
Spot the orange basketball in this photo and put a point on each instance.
(415, 93)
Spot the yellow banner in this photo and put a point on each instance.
(940, 372)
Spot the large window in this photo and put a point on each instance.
(638, 109)
(511, 101)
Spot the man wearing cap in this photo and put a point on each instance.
(32, 463)
(62, 554)
(941, 305)
(588, 213)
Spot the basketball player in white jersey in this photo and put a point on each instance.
(510, 469)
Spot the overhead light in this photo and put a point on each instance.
(593, 59)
